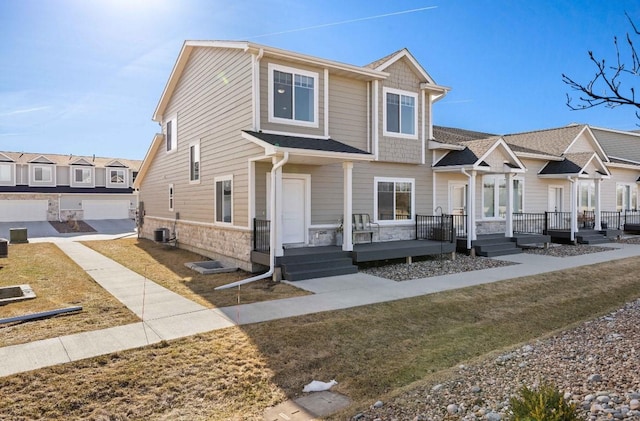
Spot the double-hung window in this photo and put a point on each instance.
(117, 177)
(7, 171)
(82, 177)
(394, 199)
(586, 196)
(293, 96)
(494, 196)
(626, 197)
(224, 199)
(171, 134)
(42, 174)
(400, 113)
(194, 162)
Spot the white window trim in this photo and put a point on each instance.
(386, 133)
(394, 180)
(172, 197)
(32, 178)
(174, 133)
(12, 175)
(74, 183)
(215, 198)
(316, 96)
(633, 187)
(497, 195)
(552, 189)
(122, 185)
(197, 180)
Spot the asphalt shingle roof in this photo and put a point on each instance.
(551, 141)
(315, 144)
(63, 160)
(454, 135)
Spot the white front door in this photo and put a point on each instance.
(555, 199)
(294, 210)
(458, 199)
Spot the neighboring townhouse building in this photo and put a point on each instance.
(53, 187)
(564, 171)
(255, 133)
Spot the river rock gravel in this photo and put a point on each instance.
(596, 366)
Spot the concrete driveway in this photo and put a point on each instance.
(44, 231)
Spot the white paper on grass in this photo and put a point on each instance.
(318, 386)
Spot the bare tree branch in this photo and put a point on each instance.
(606, 87)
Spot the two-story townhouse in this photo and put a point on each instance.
(54, 187)
(258, 139)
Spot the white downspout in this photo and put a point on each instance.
(272, 231)
(598, 204)
(509, 217)
(574, 208)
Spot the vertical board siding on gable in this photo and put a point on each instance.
(396, 149)
(213, 104)
(264, 98)
(348, 111)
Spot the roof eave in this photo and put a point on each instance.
(146, 162)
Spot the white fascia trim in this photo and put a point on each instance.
(539, 157)
(630, 161)
(604, 129)
(305, 135)
(146, 162)
(624, 166)
(594, 141)
(433, 145)
(501, 142)
(325, 154)
(559, 176)
(457, 168)
(405, 53)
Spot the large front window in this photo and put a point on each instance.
(6, 173)
(394, 199)
(400, 113)
(494, 196)
(117, 176)
(294, 96)
(586, 196)
(224, 199)
(626, 197)
(82, 176)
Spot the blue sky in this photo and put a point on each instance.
(83, 77)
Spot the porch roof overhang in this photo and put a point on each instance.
(476, 153)
(307, 150)
(576, 166)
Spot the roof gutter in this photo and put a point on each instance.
(272, 234)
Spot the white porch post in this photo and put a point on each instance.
(598, 211)
(574, 208)
(471, 209)
(347, 238)
(277, 217)
(509, 210)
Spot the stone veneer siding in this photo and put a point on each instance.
(231, 246)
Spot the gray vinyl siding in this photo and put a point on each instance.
(396, 149)
(264, 99)
(212, 101)
(348, 111)
(608, 191)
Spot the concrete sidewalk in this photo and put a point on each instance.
(167, 315)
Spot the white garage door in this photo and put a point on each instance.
(23, 210)
(105, 209)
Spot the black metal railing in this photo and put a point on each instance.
(529, 223)
(611, 220)
(460, 225)
(435, 228)
(261, 235)
(632, 217)
(557, 221)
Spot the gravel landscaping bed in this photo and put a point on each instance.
(596, 366)
(437, 266)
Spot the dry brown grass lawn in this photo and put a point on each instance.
(165, 266)
(58, 283)
(373, 350)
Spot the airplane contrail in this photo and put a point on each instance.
(324, 25)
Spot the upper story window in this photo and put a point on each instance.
(400, 113)
(194, 162)
(117, 177)
(7, 173)
(42, 174)
(171, 134)
(394, 199)
(81, 177)
(293, 96)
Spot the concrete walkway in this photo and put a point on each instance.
(166, 315)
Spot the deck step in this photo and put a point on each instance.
(497, 249)
(592, 239)
(327, 271)
(496, 253)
